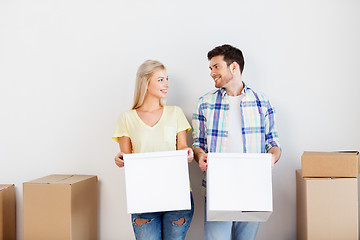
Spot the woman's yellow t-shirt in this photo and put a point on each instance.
(160, 137)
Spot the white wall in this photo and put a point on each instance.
(67, 70)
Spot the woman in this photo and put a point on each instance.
(152, 127)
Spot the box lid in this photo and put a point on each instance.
(331, 154)
(330, 164)
(155, 154)
(61, 179)
(5, 186)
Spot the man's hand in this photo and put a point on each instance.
(119, 160)
(275, 155)
(203, 161)
(201, 158)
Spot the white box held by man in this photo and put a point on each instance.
(239, 187)
(157, 181)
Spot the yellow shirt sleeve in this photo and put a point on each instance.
(121, 129)
(182, 122)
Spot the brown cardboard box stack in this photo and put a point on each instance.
(7, 212)
(327, 196)
(60, 207)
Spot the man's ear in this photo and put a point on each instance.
(234, 66)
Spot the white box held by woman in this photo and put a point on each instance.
(239, 187)
(157, 181)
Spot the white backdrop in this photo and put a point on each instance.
(67, 70)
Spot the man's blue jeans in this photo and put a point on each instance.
(161, 225)
(214, 230)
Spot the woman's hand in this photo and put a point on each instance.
(190, 154)
(119, 160)
(125, 148)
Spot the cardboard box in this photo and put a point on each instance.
(157, 181)
(239, 187)
(327, 208)
(330, 164)
(60, 207)
(7, 212)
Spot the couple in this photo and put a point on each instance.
(232, 118)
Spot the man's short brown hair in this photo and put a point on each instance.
(231, 54)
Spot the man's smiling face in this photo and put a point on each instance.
(220, 71)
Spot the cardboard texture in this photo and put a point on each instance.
(60, 207)
(239, 187)
(7, 212)
(157, 181)
(327, 208)
(330, 164)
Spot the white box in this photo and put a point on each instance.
(239, 187)
(157, 181)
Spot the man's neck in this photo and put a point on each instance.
(235, 88)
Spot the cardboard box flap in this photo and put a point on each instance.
(55, 178)
(299, 174)
(331, 154)
(5, 186)
(61, 179)
(350, 152)
(76, 178)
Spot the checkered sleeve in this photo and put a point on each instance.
(199, 127)
(271, 134)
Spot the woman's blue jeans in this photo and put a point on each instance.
(162, 225)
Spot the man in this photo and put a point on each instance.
(232, 118)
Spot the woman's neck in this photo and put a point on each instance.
(150, 105)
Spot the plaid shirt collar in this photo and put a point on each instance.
(243, 91)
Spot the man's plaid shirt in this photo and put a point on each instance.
(211, 118)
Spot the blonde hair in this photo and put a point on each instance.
(143, 75)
